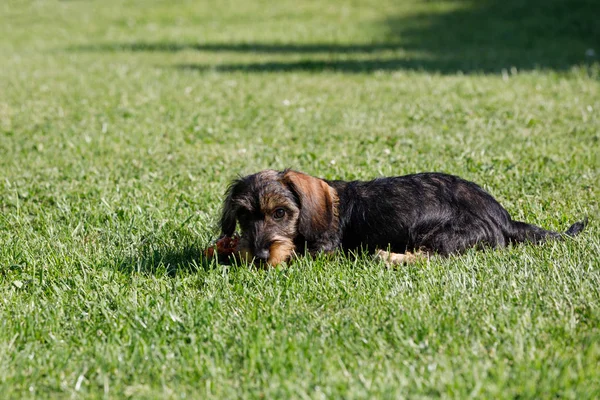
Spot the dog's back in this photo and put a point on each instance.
(434, 212)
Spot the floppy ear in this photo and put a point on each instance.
(229, 212)
(318, 205)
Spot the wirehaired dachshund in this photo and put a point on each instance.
(282, 213)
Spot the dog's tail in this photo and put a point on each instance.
(523, 232)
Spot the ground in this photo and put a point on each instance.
(122, 122)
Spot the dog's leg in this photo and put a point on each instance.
(280, 251)
(398, 258)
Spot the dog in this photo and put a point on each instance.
(399, 219)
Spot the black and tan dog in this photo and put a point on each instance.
(281, 213)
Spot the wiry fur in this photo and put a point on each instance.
(426, 212)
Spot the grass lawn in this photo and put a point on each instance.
(121, 123)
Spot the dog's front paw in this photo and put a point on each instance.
(390, 258)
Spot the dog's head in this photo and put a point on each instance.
(275, 211)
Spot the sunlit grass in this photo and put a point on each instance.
(121, 125)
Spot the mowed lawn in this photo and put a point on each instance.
(122, 122)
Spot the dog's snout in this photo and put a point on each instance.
(262, 254)
(262, 247)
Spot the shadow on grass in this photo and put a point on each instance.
(165, 261)
(346, 66)
(489, 35)
(244, 47)
(464, 35)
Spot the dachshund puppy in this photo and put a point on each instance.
(281, 213)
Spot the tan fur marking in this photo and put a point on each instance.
(319, 200)
(280, 251)
(269, 202)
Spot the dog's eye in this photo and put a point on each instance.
(279, 213)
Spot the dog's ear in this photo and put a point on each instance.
(318, 204)
(229, 212)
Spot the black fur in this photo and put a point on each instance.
(431, 212)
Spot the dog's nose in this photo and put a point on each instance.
(262, 254)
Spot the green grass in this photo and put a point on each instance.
(121, 123)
